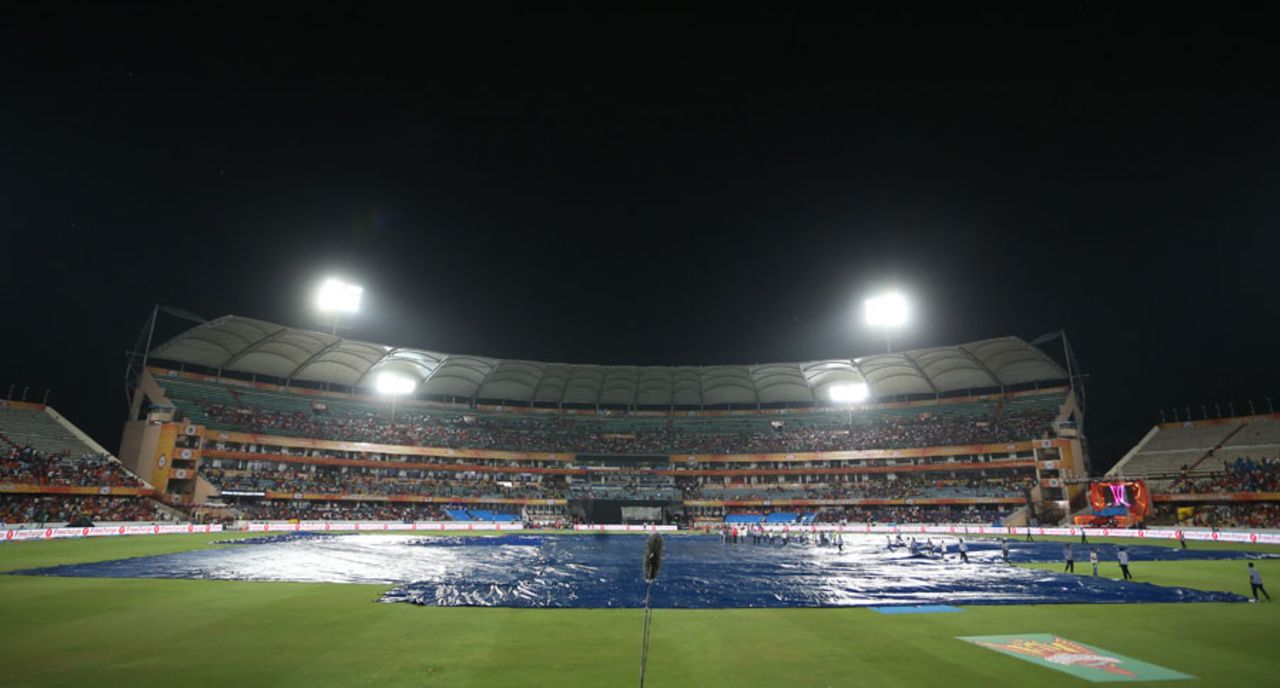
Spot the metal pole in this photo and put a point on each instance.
(151, 330)
(45, 401)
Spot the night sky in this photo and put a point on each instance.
(683, 188)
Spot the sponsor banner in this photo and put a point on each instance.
(857, 470)
(1003, 448)
(104, 531)
(308, 443)
(1249, 536)
(623, 528)
(334, 497)
(1068, 656)
(1220, 497)
(867, 501)
(377, 526)
(399, 465)
(76, 490)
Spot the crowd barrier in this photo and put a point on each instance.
(374, 526)
(1265, 537)
(103, 531)
(623, 528)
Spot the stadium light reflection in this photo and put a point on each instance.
(393, 384)
(852, 393)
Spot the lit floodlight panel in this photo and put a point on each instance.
(849, 393)
(338, 296)
(393, 384)
(888, 310)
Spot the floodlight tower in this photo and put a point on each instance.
(337, 297)
(395, 386)
(889, 313)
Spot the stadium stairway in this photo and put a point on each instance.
(1216, 447)
(5, 438)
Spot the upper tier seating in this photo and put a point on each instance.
(40, 431)
(233, 407)
(1196, 447)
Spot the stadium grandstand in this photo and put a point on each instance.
(51, 472)
(248, 419)
(1222, 472)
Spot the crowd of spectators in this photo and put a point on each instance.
(977, 514)
(263, 476)
(904, 487)
(1241, 475)
(1250, 515)
(31, 467)
(15, 508)
(971, 514)
(556, 433)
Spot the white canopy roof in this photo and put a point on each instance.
(255, 347)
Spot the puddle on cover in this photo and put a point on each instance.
(597, 571)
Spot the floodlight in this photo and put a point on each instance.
(852, 393)
(393, 384)
(887, 310)
(336, 296)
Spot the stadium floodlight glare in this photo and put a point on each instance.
(887, 310)
(336, 296)
(393, 384)
(852, 393)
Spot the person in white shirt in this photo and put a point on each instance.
(1123, 557)
(1093, 561)
(1004, 549)
(964, 551)
(1255, 582)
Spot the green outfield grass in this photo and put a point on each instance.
(179, 633)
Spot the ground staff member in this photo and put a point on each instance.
(1255, 582)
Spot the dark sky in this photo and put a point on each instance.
(693, 188)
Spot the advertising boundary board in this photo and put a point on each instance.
(378, 526)
(13, 535)
(1247, 536)
(623, 528)
(1242, 536)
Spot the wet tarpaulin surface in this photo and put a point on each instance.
(698, 571)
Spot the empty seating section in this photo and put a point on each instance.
(735, 519)
(40, 431)
(1262, 432)
(1171, 449)
(1203, 437)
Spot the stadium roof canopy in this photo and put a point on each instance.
(255, 347)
